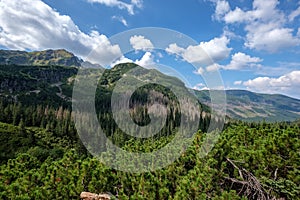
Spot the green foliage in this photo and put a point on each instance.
(269, 151)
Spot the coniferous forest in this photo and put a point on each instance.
(42, 156)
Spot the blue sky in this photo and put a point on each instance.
(255, 45)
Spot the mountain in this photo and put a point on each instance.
(48, 57)
(250, 106)
(46, 77)
(36, 84)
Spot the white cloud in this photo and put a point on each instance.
(175, 49)
(200, 71)
(238, 82)
(204, 53)
(120, 4)
(139, 42)
(230, 34)
(200, 86)
(266, 10)
(137, 3)
(120, 19)
(222, 7)
(123, 59)
(216, 48)
(38, 27)
(146, 61)
(294, 14)
(287, 84)
(241, 61)
(264, 26)
(104, 53)
(213, 67)
(236, 16)
(268, 38)
(263, 11)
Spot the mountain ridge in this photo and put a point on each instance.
(252, 106)
(241, 104)
(46, 57)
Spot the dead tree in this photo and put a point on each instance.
(249, 185)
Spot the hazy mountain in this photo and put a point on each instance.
(250, 106)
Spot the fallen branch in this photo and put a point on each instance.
(250, 185)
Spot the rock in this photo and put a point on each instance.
(93, 196)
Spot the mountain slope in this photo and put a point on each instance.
(36, 84)
(48, 57)
(46, 77)
(250, 106)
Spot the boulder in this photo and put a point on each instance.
(93, 196)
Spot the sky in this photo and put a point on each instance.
(254, 45)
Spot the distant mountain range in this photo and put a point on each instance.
(47, 76)
(250, 106)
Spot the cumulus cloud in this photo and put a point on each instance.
(287, 84)
(270, 38)
(262, 10)
(242, 61)
(205, 53)
(236, 16)
(120, 19)
(238, 82)
(264, 25)
(213, 67)
(200, 86)
(38, 27)
(230, 34)
(146, 61)
(121, 60)
(130, 7)
(139, 42)
(239, 61)
(222, 7)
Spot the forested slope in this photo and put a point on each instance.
(250, 161)
(42, 156)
